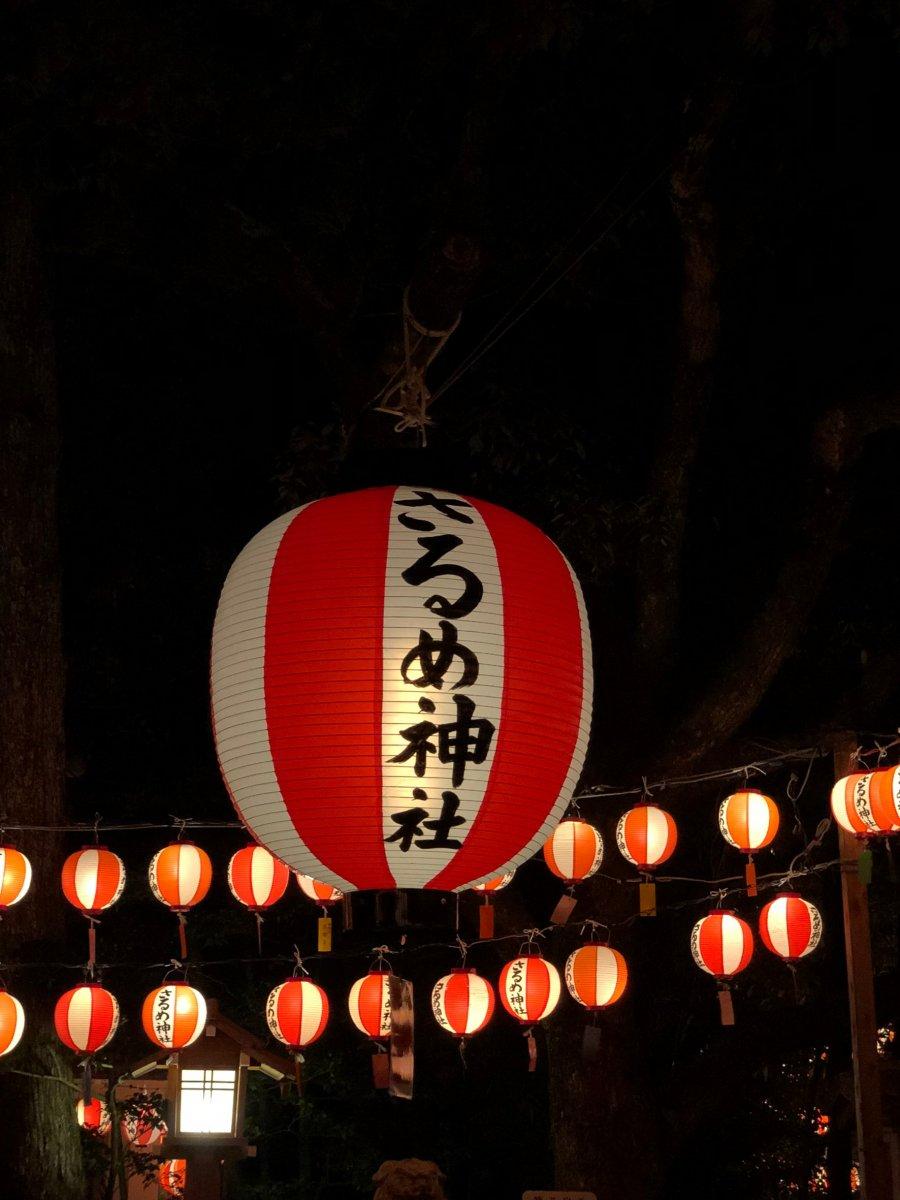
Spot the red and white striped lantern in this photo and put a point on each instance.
(850, 805)
(646, 836)
(180, 875)
(86, 1018)
(529, 988)
(722, 944)
(596, 976)
(93, 1117)
(93, 879)
(497, 884)
(748, 820)
(401, 689)
(144, 1129)
(256, 878)
(174, 1015)
(173, 1176)
(370, 1005)
(15, 876)
(462, 1002)
(320, 893)
(297, 1012)
(574, 851)
(790, 926)
(12, 1022)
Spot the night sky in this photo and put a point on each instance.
(231, 200)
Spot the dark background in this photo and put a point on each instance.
(230, 201)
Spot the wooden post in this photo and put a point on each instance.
(874, 1162)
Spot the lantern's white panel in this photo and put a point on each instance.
(239, 704)
(481, 633)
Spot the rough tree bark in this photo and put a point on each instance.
(741, 682)
(40, 1152)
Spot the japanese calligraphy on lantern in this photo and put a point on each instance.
(442, 675)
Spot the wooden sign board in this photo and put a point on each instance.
(559, 1196)
(401, 1044)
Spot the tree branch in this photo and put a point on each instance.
(837, 443)
(658, 570)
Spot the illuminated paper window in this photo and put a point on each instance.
(207, 1101)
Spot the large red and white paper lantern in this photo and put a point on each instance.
(596, 976)
(529, 988)
(144, 1129)
(86, 1018)
(574, 851)
(321, 893)
(297, 1012)
(722, 944)
(748, 820)
(401, 688)
(256, 878)
(93, 1117)
(172, 1176)
(462, 1002)
(180, 875)
(15, 876)
(790, 926)
(174, 1015)
(497, 884)
(646, 836)
(93, 879)
(12, 1022)
(370, 1005)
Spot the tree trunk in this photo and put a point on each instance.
(40, 1152)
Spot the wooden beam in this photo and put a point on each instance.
(874, 1160)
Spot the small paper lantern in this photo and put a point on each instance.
(497, 884)
(574, 851)
(529, 988)
(646, 836)
(462, 1002)
(851, 804)
(596, 976)
(86, 1018)
(180, 875)
(321, 893)
(256, 878)
(174, 1015)
(144, 1129)
(15, 876)
(370, 1005)
(722, 944)
(93, 879)
(173, 1176)
(12, 1022)
(297, 1012)
(790, 926)
(401, 688)
(748, 820)
(93, 1117)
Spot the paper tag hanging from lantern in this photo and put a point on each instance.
(436, 642)
(486, 909)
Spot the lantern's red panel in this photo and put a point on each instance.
(401, 689)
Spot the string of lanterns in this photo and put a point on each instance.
(93, 878)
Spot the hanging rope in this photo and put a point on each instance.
(406, 395)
